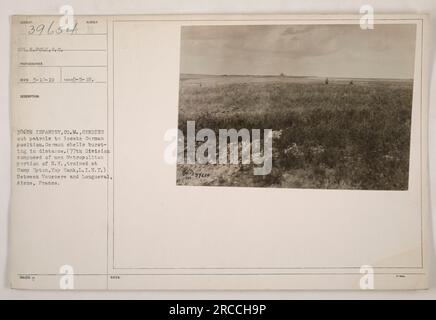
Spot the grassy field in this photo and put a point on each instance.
(347, 134)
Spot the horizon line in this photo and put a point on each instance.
(289, 76)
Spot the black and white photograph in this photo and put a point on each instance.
(333, 101)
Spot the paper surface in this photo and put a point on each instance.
(99, 202)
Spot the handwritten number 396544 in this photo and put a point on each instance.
(50, 29)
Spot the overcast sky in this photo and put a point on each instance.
(387, 51)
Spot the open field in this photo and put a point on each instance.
(347, 134)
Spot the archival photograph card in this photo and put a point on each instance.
(219, 152)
